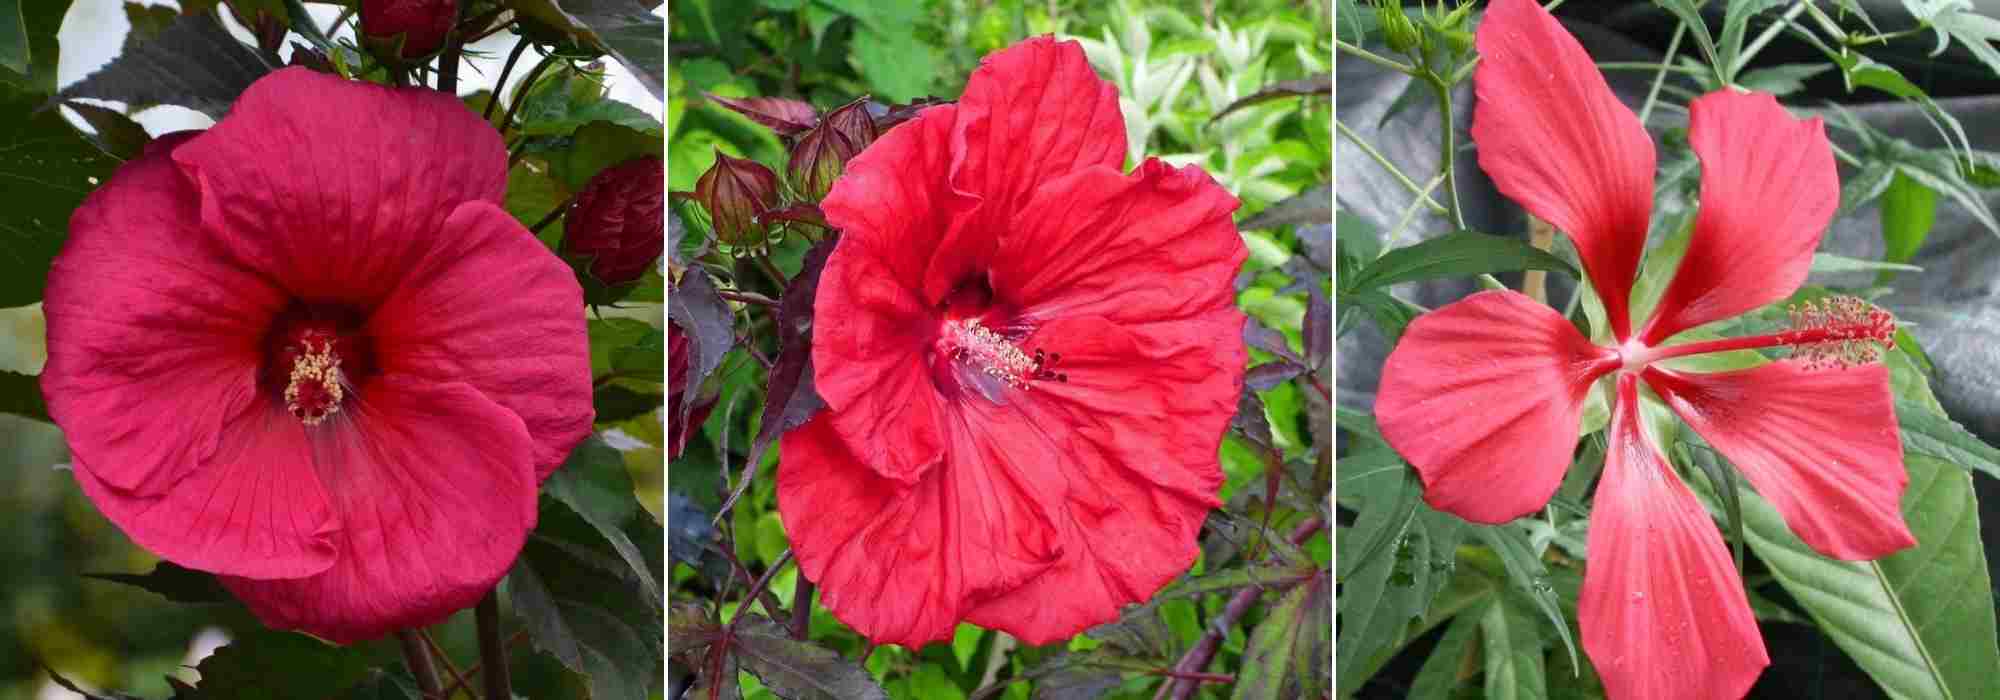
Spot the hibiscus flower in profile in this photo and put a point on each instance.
(1483, 396)
(1029, 359)
(308, 351)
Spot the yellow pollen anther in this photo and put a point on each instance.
(990, 352)
(314, 391)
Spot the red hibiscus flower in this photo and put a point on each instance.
(1029, 359)
(1483, 396)
(309, 352)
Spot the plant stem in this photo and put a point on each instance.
(521, 93)
(1211, 641)
(1423, 195)
(454, 54)
(492, 653)
(512, 642)
(1641, 65)
(1660, 78)
(802, 601)
(418, 659)
(506, 69)
(552, 216)
(1448, 149)
(757, 589)
(1375, 58)
(457, 677)
(747, 298)
(1771, 32)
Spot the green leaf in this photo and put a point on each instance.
(1937, 436)
(1908, 210)
(267, 664)
(1830, 263)
(21, 394)
(1251, 574)
(897, 66)
(35, 25)
(174, 583)
(1267, 659)
(194, 63)
(1380, 598)
(1735, 21)
(582, 599)
(116, 134)
(1445, 670)
(630, 32)
(1382, 519)
(14, 49)
(1865, 185)
(1781, 80)
(1513, 646)
(599, 145)
(1529, 576)
(46, 169)
(1687, 13)
(1958, 20)
(798, 670)
(1920, 621)
(1462, 254)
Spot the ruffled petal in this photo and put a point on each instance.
(1483, 397)
(255, 508)
(1557, 141)
(1152, 246)
(1033, 112)
(870, 349)
(894, 200)
(145, 322)
(1768, 190)
(900, 563)
(519, 338)
(1138, 424)
(287, 190)
(1662, 610)
(1821, 445)
(436, 485)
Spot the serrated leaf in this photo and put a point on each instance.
(1957, 19)
(584, 604)
(1461, 254)
(47, 169)
(707, 320)
(791, 399)
(796, 670)
(1270, 655)
(1512, 643)
(264, 664)
(1530, 578)
(116, 134)
(1381, 597)
(630, 32)
(174, 583)
(1927, 433)
(593, 483)
(1446, 669)
(194, 63)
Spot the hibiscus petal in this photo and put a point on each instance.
(1557, 141)
(1483, 397)
(1138, 422)
(519, 338)
(255, 508)
(1820, 445)
(437, 487)
(1152, 246)
(1768, 190)
(144, 323)
(899, 563)
(894, 199)
(1033, 112)
(871, 350)
(284, 189)
(1662, 609)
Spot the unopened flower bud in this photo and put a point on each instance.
(420, 26)
(817, 161)
(737, 192)
(617, 222)
(1397, 29)
(853, 122)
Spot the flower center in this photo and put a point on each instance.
(314, 390)
(970, 356)
(315, 357)
(1835, 332)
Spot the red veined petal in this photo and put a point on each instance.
(436, 486)
(1033, 112)
(1483, 397)
(899, 563)
(1662, 610)
(1768, 189)
(871, 364)
(285, 193)
(1138, 422)
(1557, 141)
(1821, 445)
(1154, 245)
(894, 200)
(519, 338)
(154, 341)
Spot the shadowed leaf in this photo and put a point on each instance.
(194, 63)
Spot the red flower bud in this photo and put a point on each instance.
(736, 192)
(421, 24)
(817, 161)
(618, 221)
(853, 122)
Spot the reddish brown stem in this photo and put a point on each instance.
(1203, 652)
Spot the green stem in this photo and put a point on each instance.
(521, 93)
(1659, 79)
(1764, 39)
(1448, 148)
(1375, 58)
(1640, 65)
(520, 47)
(1409, 213)
(1422, 194)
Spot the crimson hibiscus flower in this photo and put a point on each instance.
(1029, 359)
(1483, 396)
(309, 352)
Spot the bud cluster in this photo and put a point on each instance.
(1838, 332)
(746, 201)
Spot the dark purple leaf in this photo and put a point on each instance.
(1314, 206)
(616, 403)
(194, 63)
(888, 115)
(799, 670)
(688, 529)
(803, 212)
(1076, 681)
(787, 117)
(116, 134)
(1316, 243)
(1139, 631)
(1269, 375)
(1249, 421)
(1261, 337)
(1321, 84)
(790, 399)
(702, 314)
(1318, 329)
(174, 583)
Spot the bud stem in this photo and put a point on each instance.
(506, 69)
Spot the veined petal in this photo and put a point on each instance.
(900, 563)
(1032, 112)
(154, 342)
(519, 338)
(1663, 612)
(1138, 424)
(1557, 141)
(436, 485)
(286, 191)
(894, 200)
(1483, 397)
(1768, 189)
(871, 363)
(1152, 246)
(1820, 445)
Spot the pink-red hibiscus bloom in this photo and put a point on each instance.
(1029, 359)
(1484, 396)
(308, 351)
